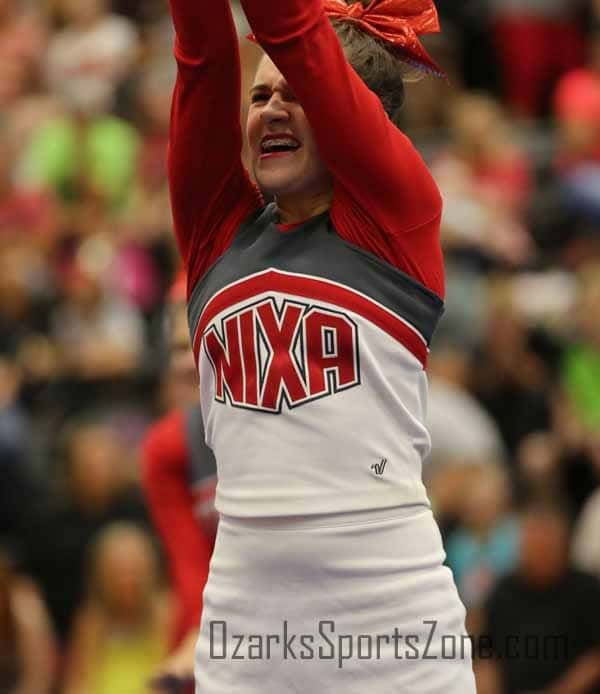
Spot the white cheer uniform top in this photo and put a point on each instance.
(311, 355)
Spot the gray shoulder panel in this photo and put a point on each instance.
(203, 464)
(315, 249)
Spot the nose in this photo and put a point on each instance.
(274, 110)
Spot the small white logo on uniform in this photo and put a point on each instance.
(379, 468)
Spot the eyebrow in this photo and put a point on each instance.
(260, 88)
(268, 88)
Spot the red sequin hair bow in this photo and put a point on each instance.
(396, 22)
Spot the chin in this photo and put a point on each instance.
(283, 179)
(293, 178)
(274, 186)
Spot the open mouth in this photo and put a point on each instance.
(278, 146)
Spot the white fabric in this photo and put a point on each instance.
(460, 428)
(367, 573)
(113, 323)
(318, 456)
(586, 544)
(84, 66)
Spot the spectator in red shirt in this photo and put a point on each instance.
(25, 213)
(179, 479)
(577, 107)
(536, 42)
(486, 181)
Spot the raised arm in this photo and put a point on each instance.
(367, 155)
(210, 190)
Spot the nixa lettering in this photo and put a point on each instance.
(263, 355)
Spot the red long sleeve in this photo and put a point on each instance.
(164, 478)
(385, 199)
(211, 193)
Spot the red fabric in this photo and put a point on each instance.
(385, 199)
(577, 101)
(288, 227)
(577, 97)
(23, 212)
(171, 504)
(504, 179)
(508, 181)
(152, 166)
(533, 52)
(316, 289)
(397, 22)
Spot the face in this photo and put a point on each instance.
(284, 153)
(126, 570)
(486, 501)
(544, 548)
(95, 456)
(475, 121)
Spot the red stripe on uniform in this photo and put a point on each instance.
(315, 290)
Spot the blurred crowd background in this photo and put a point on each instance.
(86, 261)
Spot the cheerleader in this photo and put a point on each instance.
(311, 319)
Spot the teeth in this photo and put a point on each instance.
(269, 145)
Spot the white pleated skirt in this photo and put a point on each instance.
(343, 604)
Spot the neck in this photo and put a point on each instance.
(132, 616)
(293, 210)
